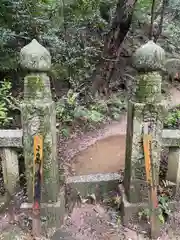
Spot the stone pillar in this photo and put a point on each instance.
(39, 117)
(146, 107)
(173, 172)
(10, 169)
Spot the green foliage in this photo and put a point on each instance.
(164, 205)
(162, 212)
(21, 21)
(70, 111)
(65, 107)
(144, 5)
(5, 96)
(144, 213)
(143, 9)
(77, 52)
(174, 7)
(113, 201)
(116, 104)
(173, 119)
(165, 194)
(74, 61)
(73, 32)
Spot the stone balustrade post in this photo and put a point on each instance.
(173, 172)
(145, 116)
(39, 117)
(145, 107)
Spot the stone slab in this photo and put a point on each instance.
(171, 138)
(10, 168)
(11, 138)
(53, 213)
(61, 235)
(173, 171)
(98, 184)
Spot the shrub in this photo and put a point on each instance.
(5, 97)
(173, 119)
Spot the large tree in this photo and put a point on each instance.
(114, 38)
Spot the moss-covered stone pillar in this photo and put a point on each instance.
(146, 107)
(39, 117)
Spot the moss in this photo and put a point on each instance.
(39, 117)
(138, 109)
(46, 114)
(149, 87)
(34, 83)
(172, 118)
(37, 86)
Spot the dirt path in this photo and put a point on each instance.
(92, 222)
(104, 150)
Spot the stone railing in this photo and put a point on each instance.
(11, 140)
(171, 139)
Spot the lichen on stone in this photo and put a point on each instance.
(37, 86)
(148, 88)
(149, 57)
(45, 113)
(39, 118)
(35, 57)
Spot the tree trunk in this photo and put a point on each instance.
(114, 38)
(164, 5)
(152, 20)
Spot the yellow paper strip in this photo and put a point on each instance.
(38, 144)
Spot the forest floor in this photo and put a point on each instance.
(89, 152)
(96, 150)
(93, 222)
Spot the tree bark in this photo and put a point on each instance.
(164, 5)
(114, 38)
(152, 20)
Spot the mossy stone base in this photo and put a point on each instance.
(138, 114)
(52, 213)
(149, 87)
(39, 118)
(129, 214)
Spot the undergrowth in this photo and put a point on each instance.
(165, 194)
(5, 101)
(70, 112)
(163, 211)
(172, 121)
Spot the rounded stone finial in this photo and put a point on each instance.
(35, 57)
(149, 57)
